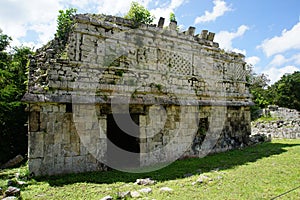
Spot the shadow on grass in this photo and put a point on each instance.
(178, 169)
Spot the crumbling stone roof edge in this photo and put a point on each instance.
(204, 38)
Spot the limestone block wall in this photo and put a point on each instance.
(105, 56)
(167, 133)
(74, 139)
(56, 145)
(66, 139)
(185, 95)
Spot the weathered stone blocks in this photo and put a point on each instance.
(188, 96)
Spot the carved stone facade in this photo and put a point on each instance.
(182, 94)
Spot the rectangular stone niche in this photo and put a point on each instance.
(123, 139)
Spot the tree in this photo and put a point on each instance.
(286, 91)
(13, 67)
(139, 14)
(64, 23)
(258, 88)
(4, 41)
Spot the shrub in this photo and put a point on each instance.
(139, 14)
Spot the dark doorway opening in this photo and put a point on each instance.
(123, 146)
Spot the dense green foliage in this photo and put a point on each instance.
(13, 78)
(4, 41)
(284, 93)
(139, 14)
(13, 66)
(258, 83)
(64, 23)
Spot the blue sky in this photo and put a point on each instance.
(266, 31)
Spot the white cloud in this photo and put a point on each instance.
(162, 12)
(113, 7)
(278, 60)
(34, 23)
(86, 6)
(219, 9)
(224, 38)
(288, 40)
(45, 31)
(276, 73)
(165, 10)
(176, 3)
(117, 7)
(80, 4)
(296, 59)
(242, 51)
(253, 60)
(122, 7)
(18, 17)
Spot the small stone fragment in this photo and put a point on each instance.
(10, 198)
(146, 181)
(202, 179)
(135, 194)
(107, 198)
(124, 194)
(12, 191)
(17, 175)
(21, 183)
(145, 190)
(50, 51)
(166, 189)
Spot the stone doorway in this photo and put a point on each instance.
(123, 147)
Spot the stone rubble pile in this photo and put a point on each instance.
(281, 113)
(286, 124)
(12, 192)
(202, 179)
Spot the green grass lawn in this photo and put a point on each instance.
(263, 171)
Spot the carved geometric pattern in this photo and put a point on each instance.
(177, 63)
(238, 72)
(235, 72)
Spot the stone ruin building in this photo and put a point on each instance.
(125, 96)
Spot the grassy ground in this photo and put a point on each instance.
(263, 171)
